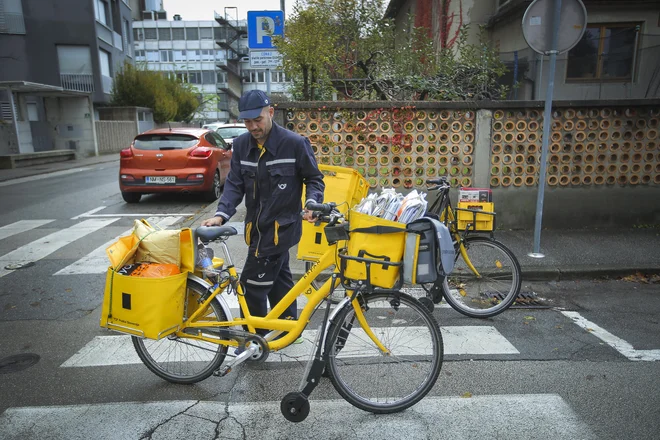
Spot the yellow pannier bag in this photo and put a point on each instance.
(149, 307)
(375, 239)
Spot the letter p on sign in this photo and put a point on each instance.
(262, 26)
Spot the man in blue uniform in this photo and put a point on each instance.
(269, 167)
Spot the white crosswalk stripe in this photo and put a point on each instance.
(97, 260)
(479, 417)
(458, 340)
(45, 246)
(21, 226)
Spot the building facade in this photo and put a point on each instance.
(58, 59)
(617, 58)
(213, 56)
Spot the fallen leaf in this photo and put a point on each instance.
(466, 395)
(530, 318)
(589, 329)
(68, 290)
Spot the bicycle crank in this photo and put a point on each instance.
(295, 407)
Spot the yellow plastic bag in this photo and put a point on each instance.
(157, 246)
(371, 237)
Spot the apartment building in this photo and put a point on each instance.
(57, 60)
(211, 55)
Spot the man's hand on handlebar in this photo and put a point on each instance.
(309, 216)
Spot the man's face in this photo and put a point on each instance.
(260, 126)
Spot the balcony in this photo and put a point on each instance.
(77, 81)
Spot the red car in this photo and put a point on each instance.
(174, 160)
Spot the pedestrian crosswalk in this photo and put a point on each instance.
(42, 247)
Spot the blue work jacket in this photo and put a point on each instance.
(272, 185)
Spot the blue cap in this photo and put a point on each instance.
(251, 103)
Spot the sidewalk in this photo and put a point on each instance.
(569, 253)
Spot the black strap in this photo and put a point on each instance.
(379, 230)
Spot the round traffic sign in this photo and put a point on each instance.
(538, 25)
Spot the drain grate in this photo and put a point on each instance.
(525, 300)
(18, 362)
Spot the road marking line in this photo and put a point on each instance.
(45, 246)
(42, 176)
(479, 417)
(97, 261)
(88, 213)
(615, 342)
(21, 226)
(469, 340)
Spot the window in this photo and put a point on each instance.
(166, 56)
(140, 55)
(192, 34)
(208, 54)
(221, 77)
(101, 11)
(208, 77)
(126, 38)
(138, 34)
(75, 60)
(11, 17)
(605, 52)
(152, 56)
(195, 77)
(104, 58)
(179, 55)
(177, 34)
(277, 76)
(206, 33)
(150, 34)
(194, 55)
(164, 34)
(220, 33)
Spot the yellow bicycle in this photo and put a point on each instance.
(381, 348)
(486, 278)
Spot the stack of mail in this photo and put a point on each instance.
(393, 206)
(412, 207)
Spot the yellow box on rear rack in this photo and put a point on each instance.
(344, 186)
(480, 216)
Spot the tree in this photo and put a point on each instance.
(307, 48)
(169, 98)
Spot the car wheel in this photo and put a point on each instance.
(131, 197)
(216, 188)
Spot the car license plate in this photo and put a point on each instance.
(161, 179)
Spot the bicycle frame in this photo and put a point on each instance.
(271, 320)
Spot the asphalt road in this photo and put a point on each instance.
(583, 365)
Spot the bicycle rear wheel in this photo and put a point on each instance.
(494, 289)
(385, 383)
(185, 360)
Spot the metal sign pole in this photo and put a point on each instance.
(268, 82)
(547, 122)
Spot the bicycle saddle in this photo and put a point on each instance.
(211, 233)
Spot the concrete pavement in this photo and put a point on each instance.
(569, 253)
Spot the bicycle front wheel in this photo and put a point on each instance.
(385, 382)
(491, 287)
(185, 360)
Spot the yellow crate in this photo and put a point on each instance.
(484, 220)
(344, 186)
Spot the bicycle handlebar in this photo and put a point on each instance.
(440, 183)
(321, 208)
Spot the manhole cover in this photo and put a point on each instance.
(18, 362)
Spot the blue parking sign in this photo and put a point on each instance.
(261, 26)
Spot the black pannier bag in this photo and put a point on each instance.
(429, 252)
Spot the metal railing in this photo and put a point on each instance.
(11, 23)
(81, 82)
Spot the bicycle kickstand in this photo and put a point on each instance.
(295, 405)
